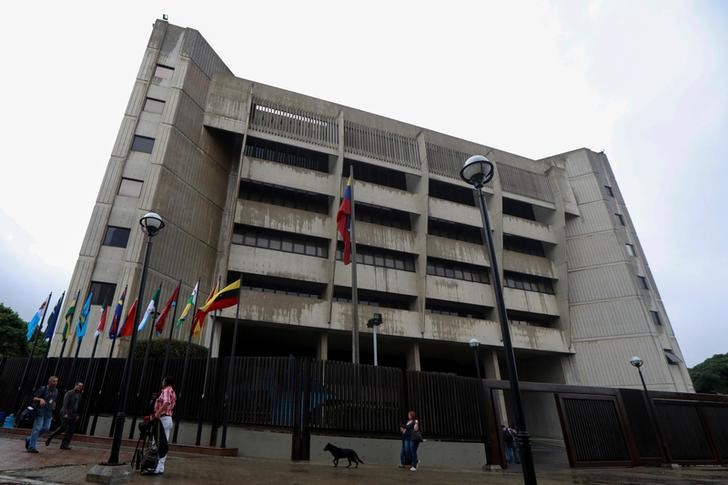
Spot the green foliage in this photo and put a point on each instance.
(177, 349)
(12, 334)
(711, 375)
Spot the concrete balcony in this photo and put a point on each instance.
(527, 264)
(449, 289)
(458, 329)
(385, 237)
(289, 176)
(527, 228)
(400, 323)
(530, 301)
(452, 211)
(384, 196)
(451, 249)
(276, 308)
(280, 264)
(377, 279)
(284, 219)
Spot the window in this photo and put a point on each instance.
(451, 192)
(656, 317)
(530, 319)
(525, 282)
(153, 105)
(672, 357)
(452, 230)
(287, 154)
(130, 187)
(620, 218)
(280, 241)
(523, 245)
(142, 144)
(382, 216)
(518, 209)
(609, 190)
(103, 293)
(630, 249)
(342, 294)
(384, 258)
(163, 72)
(375, 174)
(116, 236)
(441, 307)
(280, 286)
(284, 196)
(643, 282)
(458, 271)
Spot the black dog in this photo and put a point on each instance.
(340, 453)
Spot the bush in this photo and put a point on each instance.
(176, 351)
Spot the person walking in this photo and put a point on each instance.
(163, 409)
(409, 431)
(515, 445)
(44, 401)
(69, 416)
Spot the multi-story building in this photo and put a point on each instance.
(248, 178)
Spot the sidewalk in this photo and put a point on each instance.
(53, 465)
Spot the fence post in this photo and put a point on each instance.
(305, 433)
(296, 434)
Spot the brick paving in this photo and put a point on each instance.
(53, 465)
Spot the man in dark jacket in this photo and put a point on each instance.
(69, 416)
(44, 401)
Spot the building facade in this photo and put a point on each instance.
(248, 178)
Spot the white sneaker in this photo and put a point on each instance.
(413, 469)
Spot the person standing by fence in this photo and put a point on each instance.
(44, 402)
(163, 409)
(69, 416)
(410, 430)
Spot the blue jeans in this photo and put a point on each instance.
(409, 450)
(41, 425)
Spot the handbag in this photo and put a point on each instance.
(417, 437)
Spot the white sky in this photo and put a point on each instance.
(645, 81)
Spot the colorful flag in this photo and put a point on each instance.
(128, 327)
(199, 320)
(224, 298)
(191, 302)
(114, 327)
(102, 322)
(343, 221)
(53, 318)
(171, 303)
(151, 308)
(33, 323)
(69, 315)
(83, 318)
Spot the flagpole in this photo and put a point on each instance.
(228, 398)
(186, 361)
(354, 292)
(89, 388)
(80, 340)
(171, 329)
(60, 356)
(36, 335)
(203, 397)
(44, 362)
(103, 379)
(69, 322)
(144, 369)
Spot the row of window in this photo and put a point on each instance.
(384, 258)
(523, 245)
(451, 192)
(440, 307)
(522, 281)
(284, 196)
(282, 291)
(375, 174)
(458, 271)
(286, 154)
(280, 241)
(452, 230)
(382, 216)
(117, 237)
(375, 298)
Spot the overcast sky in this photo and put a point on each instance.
(646, 81)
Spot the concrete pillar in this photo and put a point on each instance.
(492, 371)
(322, 347)
(413, 357)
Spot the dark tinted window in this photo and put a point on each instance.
(643, 282)
(376, 174)
(451, 192)
(518, 209)
(456, 270)
(384, 258)
(280, 241)
(526, 282)
(382, 216)
(130, 187)
(375, 298)
(523, 245)
(287, 154)
(152, 105)
(656, 317)
(103, 293)
(142, 144)
(116, 236)
(284, 196)
(620, 217)
(454, 309)
(452, 230)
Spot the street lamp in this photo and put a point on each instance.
(478, 171)
(151, 224)
(637, 362)
(474, 343)
(373, 323)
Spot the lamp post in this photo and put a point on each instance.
(373, 323)
(478, 171)
(638, 362)
(151, 225)
(474, 343)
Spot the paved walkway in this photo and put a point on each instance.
(53, 465)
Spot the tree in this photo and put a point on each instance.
(13, 341)
(711, 375)
(176, 350)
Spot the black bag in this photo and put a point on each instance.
(150, 459)
(27, 417)
(417, 437)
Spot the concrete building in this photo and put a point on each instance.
(248, 178)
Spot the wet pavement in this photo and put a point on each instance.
(53, 465)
